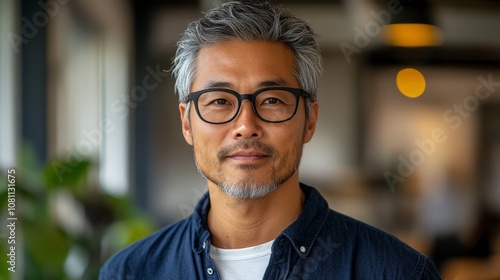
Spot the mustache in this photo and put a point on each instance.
(245, 145)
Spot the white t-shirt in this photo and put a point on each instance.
(242, 264)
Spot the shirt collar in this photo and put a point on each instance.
(200, 235)
(302, 233)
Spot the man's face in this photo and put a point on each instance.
(247, 157)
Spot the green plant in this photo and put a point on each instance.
(47, 247)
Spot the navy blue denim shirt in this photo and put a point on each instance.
(320, 244)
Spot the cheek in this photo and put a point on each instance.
(287, 134)
(202, 154)
(205, 142)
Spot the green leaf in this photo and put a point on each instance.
(48, 247)
(125, 232)
(59, 174)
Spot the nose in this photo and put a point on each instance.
(246, 124)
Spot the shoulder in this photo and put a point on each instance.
(374, 250)
(357, 231)
(353, 231)
(143, 255)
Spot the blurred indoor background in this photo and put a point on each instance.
(89, 120)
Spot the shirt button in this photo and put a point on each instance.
(204, 245)
(210, 271)
(302, 249)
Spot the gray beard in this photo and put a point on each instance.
(248, 189)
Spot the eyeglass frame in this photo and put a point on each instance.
(297, 92)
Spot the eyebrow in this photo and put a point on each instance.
(273, 83)
(266, 83)
(217, 84)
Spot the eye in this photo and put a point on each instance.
(220, 102)
(272, 100)
(217, 100)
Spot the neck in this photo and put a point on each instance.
(239, 223)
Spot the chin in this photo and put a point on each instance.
(247, 190)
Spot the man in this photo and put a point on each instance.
(247, 75)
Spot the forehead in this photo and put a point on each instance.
(245, 64)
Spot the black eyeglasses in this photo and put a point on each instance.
(272, 104)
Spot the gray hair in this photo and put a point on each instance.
(248, 21)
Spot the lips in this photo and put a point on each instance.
(248, 155)
(246, 150)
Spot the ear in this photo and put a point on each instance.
(311, 122)
(186, 126)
